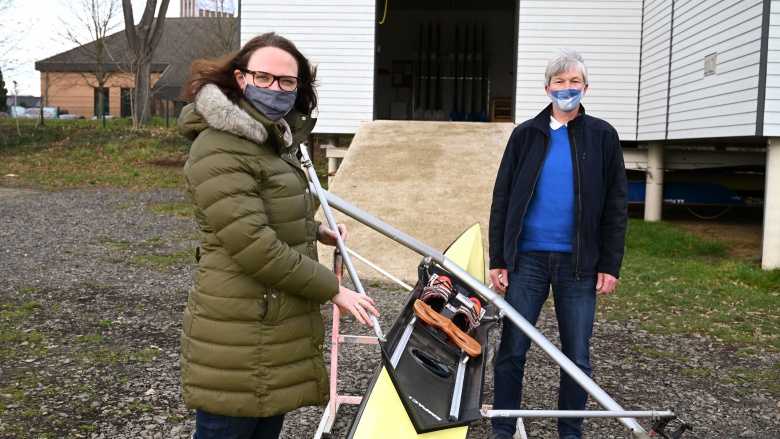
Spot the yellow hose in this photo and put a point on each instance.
(384, 14)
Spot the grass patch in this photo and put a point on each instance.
(11, 314)
(655, 353)
(161, 262)
(117, 245)
(76, 153)
(762, 378)
(145, 355)
(152, 242)
(164, 262)
(91, 338)
(747, 352)
(675, 282)
(82, 153)
(176, 210)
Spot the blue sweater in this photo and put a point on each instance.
(549, 222)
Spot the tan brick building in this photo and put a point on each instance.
(69, 79)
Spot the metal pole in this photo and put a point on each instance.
(315, 182)
(575, 414)
(379, 269)
(556, 355)
(15, 111)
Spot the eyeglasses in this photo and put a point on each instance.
(265, 80)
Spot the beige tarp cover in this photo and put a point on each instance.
(430, 180)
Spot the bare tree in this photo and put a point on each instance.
(99, 18)
(9, 35)
(227, 34)
(142, 41)
(224, 39)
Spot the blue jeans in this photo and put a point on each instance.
(575, 307)
(211, 426)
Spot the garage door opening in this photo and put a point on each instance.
(445, 60)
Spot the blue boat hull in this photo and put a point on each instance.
(688, 194)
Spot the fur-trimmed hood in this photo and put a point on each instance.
(213, 109)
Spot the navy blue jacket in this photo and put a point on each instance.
(600, 193)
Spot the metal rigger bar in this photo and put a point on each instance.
(613, 409)
(315, 183)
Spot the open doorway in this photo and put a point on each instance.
(446, 60)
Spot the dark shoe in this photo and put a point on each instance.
(502, 436)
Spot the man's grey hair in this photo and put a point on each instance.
(563, 60)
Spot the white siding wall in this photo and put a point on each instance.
(723, 104)
(338, 37)
(654, 74)
(608, 35)
(772, 101)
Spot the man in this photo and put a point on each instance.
(557, 222)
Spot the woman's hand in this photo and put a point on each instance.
(328, 237)
(359, 305)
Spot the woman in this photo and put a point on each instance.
(252, 335)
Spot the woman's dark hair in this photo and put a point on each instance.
(220, 72)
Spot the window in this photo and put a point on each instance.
(126, 108)
(99, 112)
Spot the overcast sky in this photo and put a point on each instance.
(38, 26)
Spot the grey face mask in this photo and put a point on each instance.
(273, 104)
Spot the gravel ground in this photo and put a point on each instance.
(94, 283)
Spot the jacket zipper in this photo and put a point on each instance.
(525, 209)
(578, 193)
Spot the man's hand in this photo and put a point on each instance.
(500, 279)
(605, 284)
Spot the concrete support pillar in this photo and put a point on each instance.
(770, 245)
(654, 186)
(333, 162)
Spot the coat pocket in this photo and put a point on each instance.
(282, 306)
(271, 305)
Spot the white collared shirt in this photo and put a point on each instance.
(554, 124)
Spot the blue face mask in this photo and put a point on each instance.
(273, 104)
(566, 99)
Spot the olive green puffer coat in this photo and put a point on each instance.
(252, 334)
